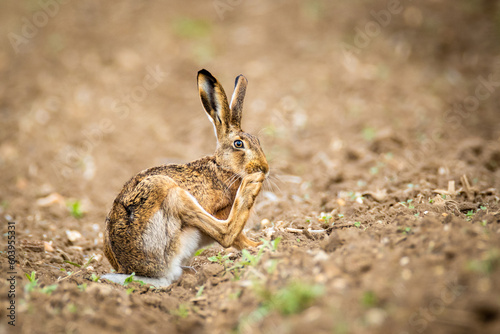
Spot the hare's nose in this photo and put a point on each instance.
(265, 169)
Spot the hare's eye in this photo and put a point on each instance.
(238, 143)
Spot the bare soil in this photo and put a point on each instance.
(380, 121)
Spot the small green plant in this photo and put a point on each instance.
(248, 259)
(67, 272)
(341, 215)
(33, 285)
(81, 266)
(223, 260)
(369, 299)
(48, 289)
(271, 245)
(408, 204)
(325, 219)
(470, 214)
(357, 224)
(292, 299)
(200, 291)
(199, 251)
(486, 265)
(369, 133)
(417, 214)
(483, 208)
(235, 295)
(75, 208)
(82, 287)
(431, 200)
(72, 308)
(443, 196)
(484, 222)
(182, 311)
(407, 230)
(33, 282)
(94, 277)
(131, 279)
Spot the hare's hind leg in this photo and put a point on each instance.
(182, 204)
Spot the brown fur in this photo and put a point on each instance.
(213, 194)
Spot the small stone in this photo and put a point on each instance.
(49, 200)
(404, 261)
(73, 235)
(376, 316)
(48, 246)
(321, 256)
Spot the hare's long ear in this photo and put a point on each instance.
(240, 88)
(214, 101)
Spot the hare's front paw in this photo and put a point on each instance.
(252, 183)
(254, 178)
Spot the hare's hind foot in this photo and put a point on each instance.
(158, 282)
(242, 242)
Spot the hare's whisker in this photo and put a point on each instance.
(275, 185)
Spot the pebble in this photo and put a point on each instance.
(73, 235)
(48, 246)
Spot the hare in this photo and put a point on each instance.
(165, 213)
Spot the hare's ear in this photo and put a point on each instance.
(240, 88)
(214, 101)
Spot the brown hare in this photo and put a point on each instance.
(165, 213)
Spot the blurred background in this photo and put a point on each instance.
(369, 103)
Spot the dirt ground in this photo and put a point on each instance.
(380, 121)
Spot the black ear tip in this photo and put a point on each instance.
(238, 78)
(204, 72)
(205, 75)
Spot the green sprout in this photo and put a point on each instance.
(75, 208)
(182, 311)
(199, 251)
(33, 285)
(369, 299)
(33, 282)
(292, 299)
(369, 133)
(408, 204)
(223, 260)
(131, 279)
(200, 291)
(325, 218)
